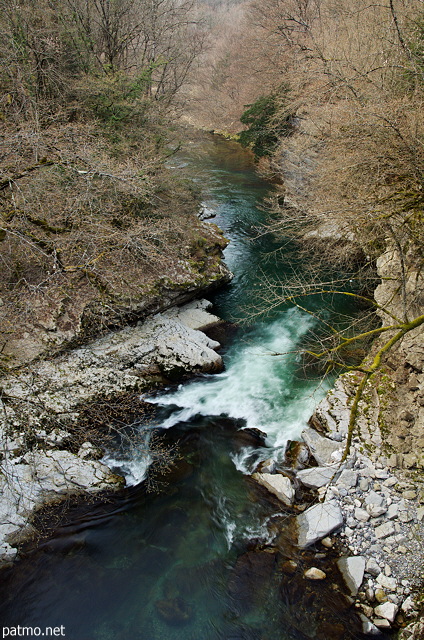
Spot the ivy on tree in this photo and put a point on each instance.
(266, 125)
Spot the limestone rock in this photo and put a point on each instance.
(386, 582)
(384, 530)
(352, 569)
(348, 478)
(372, 567)
(323, 449)
(387, 610)
(361, 514)
(368, 627)
(316, 477)
(317, 522)
(194, 315)
(382, 623)
(315, 574)
(277, 484)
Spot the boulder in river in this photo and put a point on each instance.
(352, 569)
(277, 484)
(317, 522)
(316, 477)
(175, 611)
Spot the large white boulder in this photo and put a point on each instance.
(316, 476)
(352, 569)
(324, 450)
(317, 522)
(277, 484)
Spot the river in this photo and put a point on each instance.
(190, 561)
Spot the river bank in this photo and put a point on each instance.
(373, 500)
(255, 389)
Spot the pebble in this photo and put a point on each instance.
(372, 567)
(387, 610)
(327, 542)
(361, 515)
(380, 595)
(364, 484)
(381, 623)
(314, 574)
(409, 495)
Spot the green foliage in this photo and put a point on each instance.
(119, 99)
(267, 121)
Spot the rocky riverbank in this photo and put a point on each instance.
(41, 407)
(368, 508)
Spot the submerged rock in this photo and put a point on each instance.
(251, 577)
(175, 611)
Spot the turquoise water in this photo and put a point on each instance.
(191, 560)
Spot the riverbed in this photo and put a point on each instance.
(191, 559)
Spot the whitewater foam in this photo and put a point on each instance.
(258, 385)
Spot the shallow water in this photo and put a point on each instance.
(185, 562)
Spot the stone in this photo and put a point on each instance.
(386, 582)
(375, 511)
(327, 542)
(391, 481)
(364, 484)
(368, 627)
(405, 516)
(374, 498)
(361, 515)
(408, 605)
(348, 478)
(316, 476)
(370, 594)
(420, 513)
(88, 451)
(277, 484)
(382, 623)
(409, 495)
(367, 610)
(387, 610)
(393, 511)
(384, 530)
(352, 569)
(380, 595)
(289, 567)
(314, 574)
(322, 449)
(267, 466)
(194, 315)
(317, 522)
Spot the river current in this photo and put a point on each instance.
(189, 561)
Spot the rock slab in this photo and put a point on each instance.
(317, 522)
(277, 484)
(352, 569)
